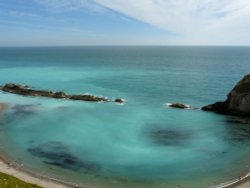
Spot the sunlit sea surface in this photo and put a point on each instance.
(141, 144)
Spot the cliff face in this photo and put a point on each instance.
(238, 100)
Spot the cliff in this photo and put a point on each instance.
(237, 102)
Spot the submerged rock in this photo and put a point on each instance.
(169, 137)
(25, 108)
(180, 105)
(237, 132)
(237, 102)
(27, 91)
(239, 121)
(57, 154)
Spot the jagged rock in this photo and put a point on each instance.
(88, 98)
(237, 102)
(16, 86)
(60, 95)
(180, 105)
(27, 91)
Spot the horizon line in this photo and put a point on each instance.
(102, 45)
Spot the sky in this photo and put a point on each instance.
(124, 22)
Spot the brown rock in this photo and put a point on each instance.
(237, 102)
(59, 95)
(27, 91)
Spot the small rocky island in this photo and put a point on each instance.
(179, 105)
(237, 102)
(28, 91)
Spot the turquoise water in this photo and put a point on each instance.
(140, 144)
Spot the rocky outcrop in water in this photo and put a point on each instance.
(119, 100)
(239, 121)
(28, 91)
(180, 105)
(237, 102)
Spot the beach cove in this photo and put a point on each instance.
(142, 143)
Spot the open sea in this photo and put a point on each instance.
(141, 144)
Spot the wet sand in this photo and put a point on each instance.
(20, 172)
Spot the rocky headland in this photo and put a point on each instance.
(28, 91)
(237, 102)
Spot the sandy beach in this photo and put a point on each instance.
(244, 184)
(29, 177)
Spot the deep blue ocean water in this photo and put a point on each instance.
(140, 144)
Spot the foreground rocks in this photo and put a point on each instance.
(28, 91)
(237, 102)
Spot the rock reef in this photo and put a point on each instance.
(237, 102)
(28, 91)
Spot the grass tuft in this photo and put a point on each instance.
(7, 181)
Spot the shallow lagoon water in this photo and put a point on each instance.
(140, 144)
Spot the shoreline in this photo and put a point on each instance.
(240, 182)
(17, 170)
(14, 169)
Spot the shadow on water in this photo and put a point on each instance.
(164, 136)
(58, 154)
(25, 109)
(238, 129)
(3, 108)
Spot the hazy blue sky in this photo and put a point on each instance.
(124, 22)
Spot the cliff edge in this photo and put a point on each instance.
(237, 102)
